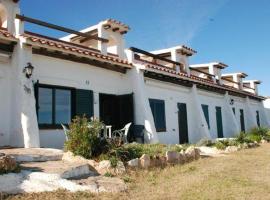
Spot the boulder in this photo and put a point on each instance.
(197, 153)
(133, 162)
(70, 157)
(158, 161)
(231, 149)
(7, 164)
(190, 154)
(182, 157)
(145, 161)
(172, 157)
(105, 167)
(263, 141)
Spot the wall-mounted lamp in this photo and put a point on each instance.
(232, 102)
(28, 70)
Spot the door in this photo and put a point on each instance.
(125, 109)
(116, 110)
(219, 122)
(182, 123)
(242, 120)
(107, 109)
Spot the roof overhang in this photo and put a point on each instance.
(239, 74)
(180, 49)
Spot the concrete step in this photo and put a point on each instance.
(64, 169)
(34, 154)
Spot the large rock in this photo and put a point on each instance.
(231, 149)
(172, 157)
(133, 162)
(263, 141)
(190, 154)
(7, 164)
(158, 161)
(105, 166)
(182, 157)
(70, 157)
(145, 161)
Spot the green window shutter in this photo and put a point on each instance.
(206, 114)
(158, 111)
(84, 103)
(233, 109)
(258, 118)
(219, 122)
(242, 120)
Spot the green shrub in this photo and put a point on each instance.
(205, 142)
(262, 131)
(83, 138)
(253, 137)
(220, 145)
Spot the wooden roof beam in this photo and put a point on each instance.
(59, 28)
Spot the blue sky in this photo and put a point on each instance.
(236, 32)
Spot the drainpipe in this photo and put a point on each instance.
(143, 113)
(200, 123)
(232, 127)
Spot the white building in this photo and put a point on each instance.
(90, 72)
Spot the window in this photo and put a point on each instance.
(158, 111)
(206, 114)
(54, 106)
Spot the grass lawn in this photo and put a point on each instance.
(241, 175)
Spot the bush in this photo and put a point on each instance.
(83, 138)
(205, 142)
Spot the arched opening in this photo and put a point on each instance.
(3, 17)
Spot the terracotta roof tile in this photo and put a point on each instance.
(6, 34)
(73, 48)
(201, 80)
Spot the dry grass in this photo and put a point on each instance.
(242, 175)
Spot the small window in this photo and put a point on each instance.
(54, 106)
(206, 114)
(158, 111)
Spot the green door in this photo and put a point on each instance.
(219, 122)
(182, 123)
(258, 118)
(206, 114)
(242, 120)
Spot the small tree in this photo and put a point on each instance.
(83, 138)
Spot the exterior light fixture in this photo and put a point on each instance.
(28, 70)
(232, 102)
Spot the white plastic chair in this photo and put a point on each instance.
(122, 133)
(66, 130)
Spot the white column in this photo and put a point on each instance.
(102, 46)
(231, 127)
(24, 125)
(143, 113)
(200, 126)
(212, 71)
(250, 116)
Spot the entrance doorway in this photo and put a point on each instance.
(182, 123)
(116, 110)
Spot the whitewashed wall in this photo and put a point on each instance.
(54, 71)
(173, 94)
(5, 88)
